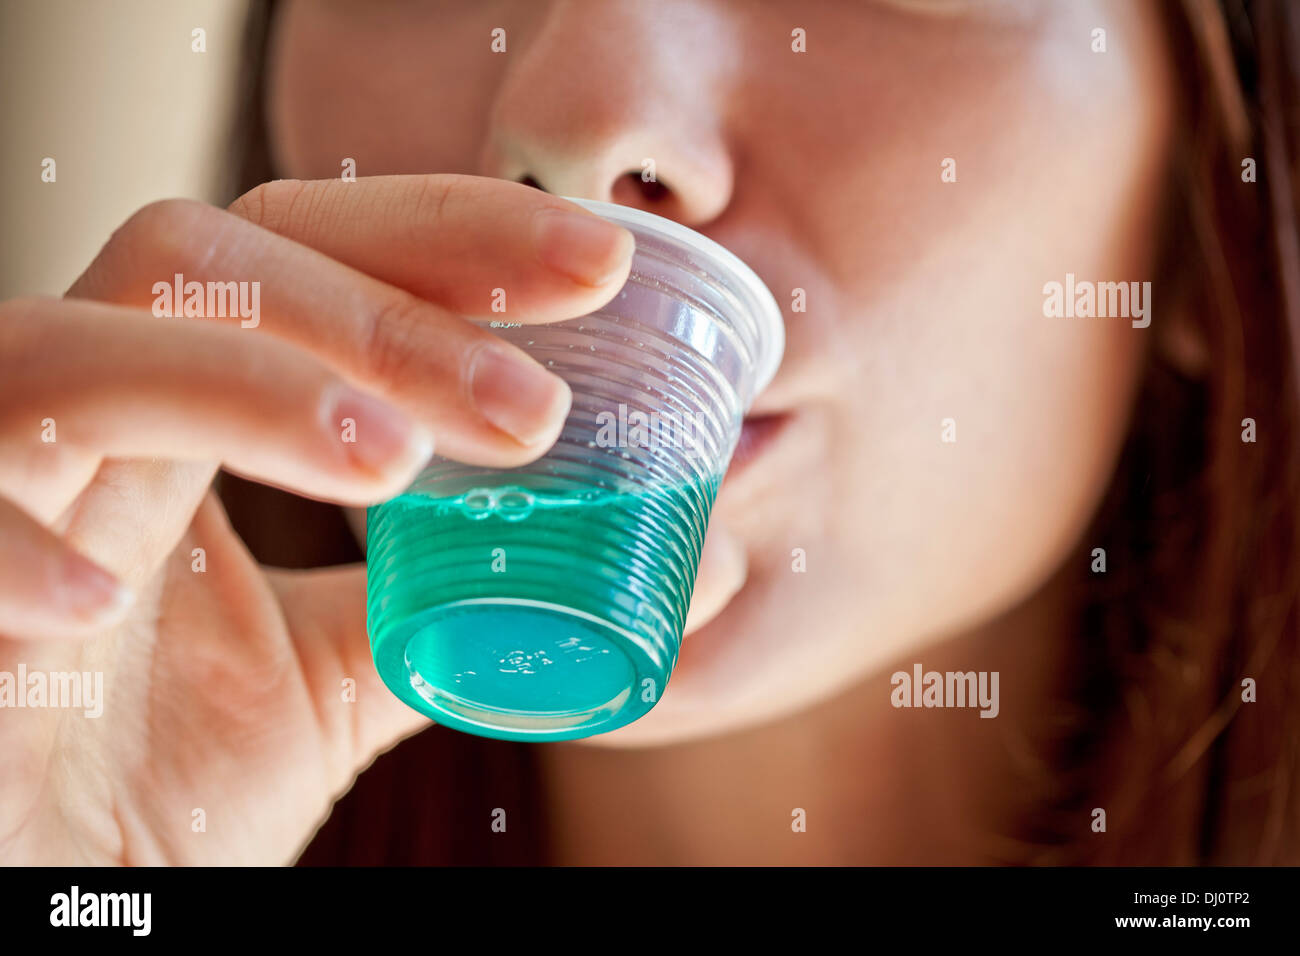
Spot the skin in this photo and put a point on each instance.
(822, 170)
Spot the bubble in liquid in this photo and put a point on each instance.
(523, 662)
(478, 504)
(515, 504)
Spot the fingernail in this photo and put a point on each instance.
(377, 436)
(580, 245)
(517, 395)
(90, 592)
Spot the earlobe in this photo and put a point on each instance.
(1181, 344)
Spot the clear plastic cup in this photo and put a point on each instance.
(547, 602)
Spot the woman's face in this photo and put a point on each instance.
(824, 170)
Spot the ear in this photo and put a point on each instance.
(1182, 344)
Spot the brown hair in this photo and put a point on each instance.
(1199, 525)
(1201, 528)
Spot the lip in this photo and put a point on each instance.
(757, 434)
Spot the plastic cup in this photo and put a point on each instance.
(547, 602)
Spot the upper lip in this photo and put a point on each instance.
(745, 450)
(770, 401)
(762, 410)
(765, 405)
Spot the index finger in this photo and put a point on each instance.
(485, 400)
(468, 243)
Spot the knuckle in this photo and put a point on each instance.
(251, 205)
(388, 339)
(156, 238)
(21, 323)
(165, 228)
(162, 218)
(270, 205)
(431, 198)
(25, 307)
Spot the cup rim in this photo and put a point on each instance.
(757, 296)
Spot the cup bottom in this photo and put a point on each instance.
(566, 674)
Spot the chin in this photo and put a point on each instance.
(720, 685)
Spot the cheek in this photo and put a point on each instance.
(985, 431)
(984, 478)
(941, 286)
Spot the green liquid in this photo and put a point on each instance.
(526, 613)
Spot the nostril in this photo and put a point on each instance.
(652, 191)
(629, 189)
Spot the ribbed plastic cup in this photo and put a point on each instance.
(547, 602)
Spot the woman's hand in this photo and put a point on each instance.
(227, 730)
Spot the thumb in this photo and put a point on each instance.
(360, 718)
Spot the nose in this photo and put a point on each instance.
(623, 102)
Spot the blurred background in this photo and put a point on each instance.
(115, 94)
